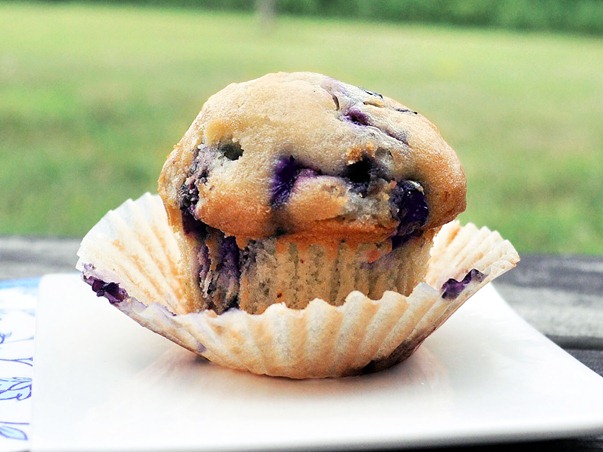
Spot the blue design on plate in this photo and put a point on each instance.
(9, 432)
(27, 361)
(4, 336)
(18, 388)
(18, 299)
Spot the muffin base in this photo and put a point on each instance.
(320, 340)
(281, 270)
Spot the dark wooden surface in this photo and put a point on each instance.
(561, 296)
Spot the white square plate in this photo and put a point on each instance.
(102, 382)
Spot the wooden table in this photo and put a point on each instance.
(562, 296)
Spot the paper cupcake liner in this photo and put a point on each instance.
(285, 271)
(134, 247)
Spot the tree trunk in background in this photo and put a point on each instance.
(267, 12)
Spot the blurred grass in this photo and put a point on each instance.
(92, 98)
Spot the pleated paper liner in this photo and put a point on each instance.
(132, 256)
(282, 269)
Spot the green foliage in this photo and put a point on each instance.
(584, 16)
(94, 97)
(577, 16)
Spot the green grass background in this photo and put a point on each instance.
(92, 99)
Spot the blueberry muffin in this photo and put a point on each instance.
(296, 186)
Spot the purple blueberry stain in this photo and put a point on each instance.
(219, 271)
(358, 117)
(229, 256)
(452, 288)
(230, 269)
(188, 194)
(190, 224)
(286, 172)
(110, 290)
(411, 208)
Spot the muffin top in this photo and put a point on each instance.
(304, 155)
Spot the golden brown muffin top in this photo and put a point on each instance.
(309, 156)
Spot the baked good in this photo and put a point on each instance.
(303, 230)
(296, 186)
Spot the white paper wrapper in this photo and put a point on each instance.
(133, 246)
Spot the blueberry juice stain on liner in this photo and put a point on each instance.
(452, 288)
(110, 290)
